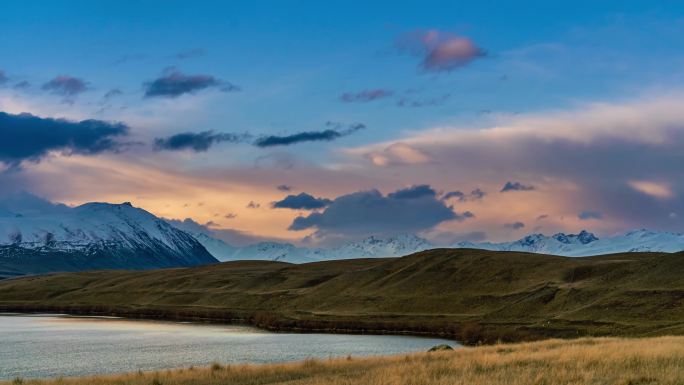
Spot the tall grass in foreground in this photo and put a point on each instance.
(583, 361)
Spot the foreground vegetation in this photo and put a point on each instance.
(473, 296)
(578, 362)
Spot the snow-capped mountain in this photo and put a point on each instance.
(371, 247)
(586, 243)
(574, 245)
(38, 236)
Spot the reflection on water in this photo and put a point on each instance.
(57, 345)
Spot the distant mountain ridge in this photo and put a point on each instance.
(573, 245)
(371, 247)
(37, 236)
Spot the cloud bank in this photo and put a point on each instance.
(409, 210)
(29, 137)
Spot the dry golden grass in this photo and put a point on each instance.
(578, 362)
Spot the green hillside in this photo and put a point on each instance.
(471, 295)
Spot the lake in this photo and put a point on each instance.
(57, 345)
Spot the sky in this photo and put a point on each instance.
(322, 122)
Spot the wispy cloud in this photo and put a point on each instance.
(190, 53)
(65, 85)
(366, 96)
(309, 136)
(590, 214)
(514, 225)
(516, 186)
(654, 189)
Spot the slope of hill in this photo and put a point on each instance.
(473, 295)
(37, 236)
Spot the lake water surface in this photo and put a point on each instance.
(55, 345)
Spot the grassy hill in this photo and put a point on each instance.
(471, 295)
(577, 362)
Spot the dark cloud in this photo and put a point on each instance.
(253, 205)
(198, 142)
(303, 201)
(366, 95)
(309, 136)
(440, 51)
(112, 93)
(191, 53)
(174, 83)
(3, 78)
(454, 194)
(29, 137)
(66, 86)
(516, 186)
(369, 212)
(589, 214)
(230, 216)
(514, 225)
(476, 194)
(413, 192)
(542, 217)
(284, 187)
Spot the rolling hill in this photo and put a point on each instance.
(472, 295)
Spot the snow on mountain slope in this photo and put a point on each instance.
(586, 244)
(371, 247)
(582, 244)
(267, 251)
(98, 235)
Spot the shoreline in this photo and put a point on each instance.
(184, 316)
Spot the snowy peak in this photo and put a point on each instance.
(96, 234)
(582, 238)
(584, 243)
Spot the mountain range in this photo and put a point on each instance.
(38, 236)
(572, 245)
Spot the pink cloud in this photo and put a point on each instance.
(441, 51)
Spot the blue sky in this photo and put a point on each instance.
(293, 62)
